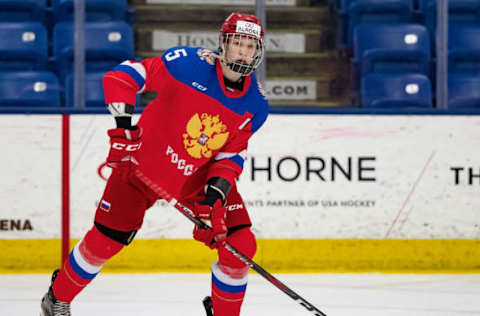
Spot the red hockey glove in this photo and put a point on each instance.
(124, 143)
(216, 214)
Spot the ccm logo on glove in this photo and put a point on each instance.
(121, 146)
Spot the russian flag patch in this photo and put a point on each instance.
(104, 205)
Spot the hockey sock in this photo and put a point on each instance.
(227, 292)
(83, 264)
(230, 275)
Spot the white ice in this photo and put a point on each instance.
(171, 294)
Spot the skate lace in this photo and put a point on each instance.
(61, 309)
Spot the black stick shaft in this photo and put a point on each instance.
(191, 216)
(270, 278)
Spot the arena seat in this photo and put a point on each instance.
(94, 94)
(106, 45)
(396, 91)
(376, 11)
(464, 48)
(459, 11)
(93, 89)
(464, 91)
(23, 46)
(392, 48)
(95, 10)
(29, 88)
(23, 11)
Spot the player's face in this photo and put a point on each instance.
(241, 49)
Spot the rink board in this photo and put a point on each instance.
(282, 255)
(339, 192)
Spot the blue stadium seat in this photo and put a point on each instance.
(22, 10)
(23, 46)
(376, 11)
(94, 96)
(464, 48)
(396, 91)
(335, 4)
(342, 5)
(106, 45)
(95, 10)
(464, 91)
(459, 11)
(392, 48)
(29, 88)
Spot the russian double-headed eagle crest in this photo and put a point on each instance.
(205, 133)
(207, 55)
(260, 88)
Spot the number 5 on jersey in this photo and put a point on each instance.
(175, 54)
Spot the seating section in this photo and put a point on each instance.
(392, 40)
(94, 91)
(464, 91)
(106, 45)
(94, 94)
(23, 10)
(396, 91)
(464, 48)
(95, 10)
(376, 11)
(23, 46)
(29, 88)
(392, 48)
(391, 44)
(459, 12)
(37, 49)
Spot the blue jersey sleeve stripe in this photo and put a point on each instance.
(238, 160)
(132, 73)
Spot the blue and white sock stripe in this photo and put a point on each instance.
(134, 70)
(226, 283)
(81, 266)
(238, 158)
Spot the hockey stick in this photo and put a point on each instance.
(191, 216)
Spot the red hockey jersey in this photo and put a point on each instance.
(196, 125)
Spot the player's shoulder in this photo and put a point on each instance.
(259, 101)
(184, 56)
(187, 63)
(258, 96)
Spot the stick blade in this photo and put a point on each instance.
(207, 303)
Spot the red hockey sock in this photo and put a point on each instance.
(230, 275)
(83, 264)
(227, 292)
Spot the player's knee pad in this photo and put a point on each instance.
(95, 249)
(244, 241)
(124, 238)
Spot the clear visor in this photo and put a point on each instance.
(242, 53)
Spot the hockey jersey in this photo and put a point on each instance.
(195, 125)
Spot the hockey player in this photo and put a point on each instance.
(191, 141)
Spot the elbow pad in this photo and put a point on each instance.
(120, 109)
(122, 112)
(219, 185)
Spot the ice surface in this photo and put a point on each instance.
(171, 294)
